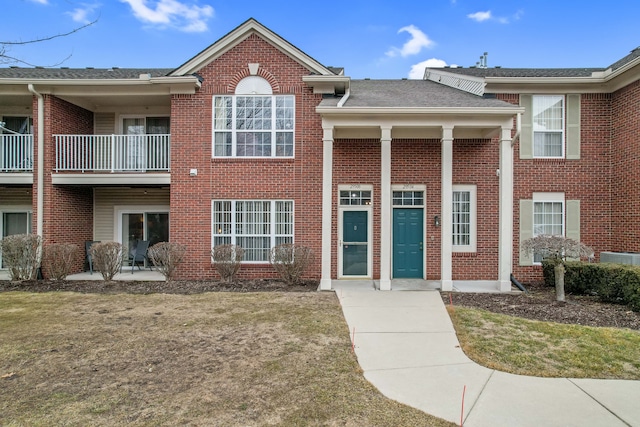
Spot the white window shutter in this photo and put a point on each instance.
(526, 229)
(526, 127)
(573, 126)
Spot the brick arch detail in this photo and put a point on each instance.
(275, 86)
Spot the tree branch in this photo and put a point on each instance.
(44, 39)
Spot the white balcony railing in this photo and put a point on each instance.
(112, 153)
(16, 153)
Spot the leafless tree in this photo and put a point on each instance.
(6, 46)
(556, 249)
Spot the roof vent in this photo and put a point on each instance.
(40, 67)
(498, 66)
(367, 78)
(90, 68)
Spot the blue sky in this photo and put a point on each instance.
(375, 39)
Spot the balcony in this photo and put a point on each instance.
(112, 159)
(16, 152)
(16, 159)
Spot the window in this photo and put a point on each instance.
(355, 197)
(548, 216)
(548, 126)
(408, 198)
(253, 126)
(19, 124)
(464, 218)
(12, 222)
(254, 225)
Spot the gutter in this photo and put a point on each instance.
(40, 173)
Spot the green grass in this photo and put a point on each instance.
(546, 349)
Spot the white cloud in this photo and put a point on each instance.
(480, 16)
(41, 1)
(488, 16)
(81, 14)
(172, 13)
(417, 70)
(416, 43)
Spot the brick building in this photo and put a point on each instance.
(253, 142)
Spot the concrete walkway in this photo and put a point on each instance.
(408, 349)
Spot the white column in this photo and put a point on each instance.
(327, 208)
(446, 209)
(385, 209)
(505, 243)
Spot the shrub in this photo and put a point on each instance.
(21, 254)
(166, 256)
(107, 258)
(58, 259)
(613, 283)
(227, 261)
(290, 261)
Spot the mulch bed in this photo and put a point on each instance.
(538, 304)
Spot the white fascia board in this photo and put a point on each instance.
(111, 178)
(238, 35)
(16, 178)
(327, 84)
(423, 111)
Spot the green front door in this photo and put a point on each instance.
(408, 251)
(355, 243)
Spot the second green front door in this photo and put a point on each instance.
(408, 247)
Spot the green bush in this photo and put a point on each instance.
(613, 283)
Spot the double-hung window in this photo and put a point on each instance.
(464, 218)
(548, 216)
(254, 225)
(548, 126)
(253, 126)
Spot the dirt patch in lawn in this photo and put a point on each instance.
(211, 358)
(540, 304)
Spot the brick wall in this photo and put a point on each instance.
(298, 179)
(587, 179)
(625, 169)
(68, 211)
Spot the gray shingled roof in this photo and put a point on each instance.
(80, 73)
(542, 72)
(410, 94)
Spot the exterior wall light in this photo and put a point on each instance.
(436, 221)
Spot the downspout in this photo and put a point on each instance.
(518, 124)
(345, 96)
(40, 172)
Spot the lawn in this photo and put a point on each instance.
(546, 349)
(215, 359)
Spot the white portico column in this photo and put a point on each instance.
(446, 209)
(327, 209)
(385, 209)
(506, 211)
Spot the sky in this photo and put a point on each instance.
(370, 39)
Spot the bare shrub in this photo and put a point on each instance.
(107, 258)
(166, 256)
(290, 261)
(227, 261)
(58, 259)
(21, 254)
(556, 250)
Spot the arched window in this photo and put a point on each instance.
(253, 122)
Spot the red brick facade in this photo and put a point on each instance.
(603, 179)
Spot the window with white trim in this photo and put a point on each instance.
(548, 216)
(254, 225)
(253, 122)
(464, 218)
(548, 126)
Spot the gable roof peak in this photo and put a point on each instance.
(239, 34)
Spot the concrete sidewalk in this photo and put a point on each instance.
(408, 349)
